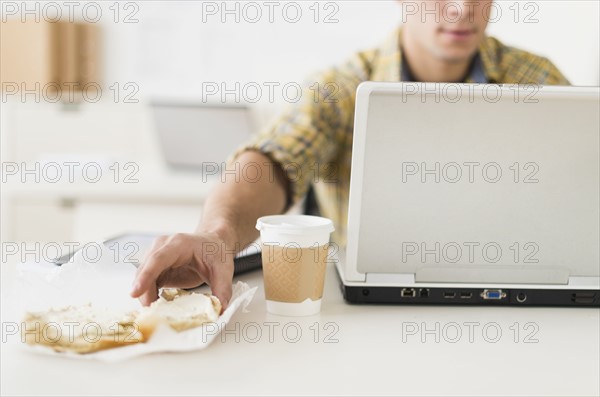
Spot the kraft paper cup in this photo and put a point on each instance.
(294, 256)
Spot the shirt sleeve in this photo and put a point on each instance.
(309, 134)
(553, 75)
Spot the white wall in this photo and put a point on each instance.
(171, 51)
(566, 32)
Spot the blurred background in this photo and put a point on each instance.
(114, 113)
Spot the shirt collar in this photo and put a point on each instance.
(488, 52)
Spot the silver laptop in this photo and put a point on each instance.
(474, 194)
(200, 136)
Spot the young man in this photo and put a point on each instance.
(311, 144)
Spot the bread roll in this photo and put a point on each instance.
(85, 329)
(179, 309)
(81, 329)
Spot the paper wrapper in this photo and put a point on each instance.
(107, 283)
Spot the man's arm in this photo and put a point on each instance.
(259, 187)
(308, 135)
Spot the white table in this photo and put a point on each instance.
(367, 355)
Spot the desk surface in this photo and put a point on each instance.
(346, 349)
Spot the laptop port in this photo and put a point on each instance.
(493, 294)
(449, 294)
(521, 297)
(424, 292)
(408, 293)
(466, 295)
(583, 297)
(585, 301)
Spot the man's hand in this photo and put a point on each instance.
(228, 223)
(185, 261)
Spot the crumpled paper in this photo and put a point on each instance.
(106, 282)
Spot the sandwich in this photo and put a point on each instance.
(87, 329)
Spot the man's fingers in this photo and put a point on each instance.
(173, 261)
(149, 296)
(220, 282)
(157, 262)
(156, 245)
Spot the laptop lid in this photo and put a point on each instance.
(195, 136)
(475, 183)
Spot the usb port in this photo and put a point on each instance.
(493, 294)
(583, 297)
(584, 300)
(466, 295)
(449, 295)
(408, 293)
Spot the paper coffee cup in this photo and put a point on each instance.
(294, 257)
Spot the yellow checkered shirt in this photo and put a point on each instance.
(312, 140)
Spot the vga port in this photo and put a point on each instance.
(493, 294)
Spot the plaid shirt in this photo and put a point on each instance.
(312, 141)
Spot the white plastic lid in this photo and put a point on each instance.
(299, 230)
(295, 224)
